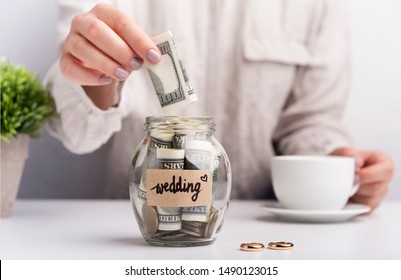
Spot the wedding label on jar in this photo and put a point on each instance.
(178, 188)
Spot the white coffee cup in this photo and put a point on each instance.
(313, 182)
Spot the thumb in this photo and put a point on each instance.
(349, 152)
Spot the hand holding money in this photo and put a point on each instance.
(100, 50)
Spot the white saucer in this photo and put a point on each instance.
(312, 216)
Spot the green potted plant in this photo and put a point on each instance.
(25, 107)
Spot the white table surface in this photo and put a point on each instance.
(107, 229)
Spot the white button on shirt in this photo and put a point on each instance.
(273, 74)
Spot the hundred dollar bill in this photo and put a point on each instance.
(197, 156)
(169, 77)
(170, 217)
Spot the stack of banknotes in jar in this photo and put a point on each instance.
(183, 148)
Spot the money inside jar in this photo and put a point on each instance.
(176, 197)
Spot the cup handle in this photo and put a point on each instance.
(354, 189)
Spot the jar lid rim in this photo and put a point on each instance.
(156, 118)
(178, 123)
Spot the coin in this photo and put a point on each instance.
(213, 222)
(193, 228)
(252, 247)
(280, 245)
(192, 233)
(168, 235)
(150, 219)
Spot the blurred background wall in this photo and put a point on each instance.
(373, 116)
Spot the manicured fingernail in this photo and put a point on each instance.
(136, 63)
(357, 179)
(358, 161)
(121, 73)
(104, 79)
(153, 56)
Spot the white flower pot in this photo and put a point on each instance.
(13, 156)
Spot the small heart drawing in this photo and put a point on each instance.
(204, 178)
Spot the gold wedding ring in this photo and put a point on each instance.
(252, 247)
(280, 245)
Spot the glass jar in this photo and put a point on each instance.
(180, 182)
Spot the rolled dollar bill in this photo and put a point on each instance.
(180, 138)
(218, 168)
(170, 217)
(197, 156)
(158, 140)
(141, 191)
(169, 77)
(139, 196)
(170, 158)
(161, 140)
(216, 157)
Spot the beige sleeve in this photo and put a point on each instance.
(311, 121)
(81, 126)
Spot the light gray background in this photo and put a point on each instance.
(28, 36)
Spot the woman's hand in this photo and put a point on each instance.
(105, 44)
(375, 170)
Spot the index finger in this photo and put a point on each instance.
(129, 31)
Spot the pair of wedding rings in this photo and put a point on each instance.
(255, 246)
